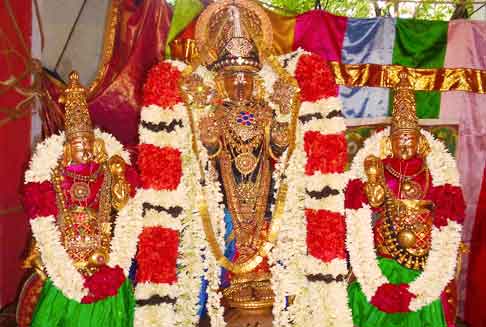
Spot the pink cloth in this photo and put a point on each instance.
(465, 48)
(320, 32)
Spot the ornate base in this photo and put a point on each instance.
(249, 318)
(243, 318)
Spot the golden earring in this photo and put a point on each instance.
(386, 150)
(67, 158)
(423, 147)
(99, 151)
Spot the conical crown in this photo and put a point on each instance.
(404, 114)
(234, 35)
(77, 118)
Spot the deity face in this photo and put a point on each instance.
(405, 143)
(81, 148)
(238, 85)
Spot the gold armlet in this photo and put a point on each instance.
(120, 190)
(218, 151)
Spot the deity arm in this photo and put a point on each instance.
(279, 138)
(120, 190)
(210, 133)
(34, 261)
(375, 186)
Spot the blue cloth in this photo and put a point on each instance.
(367, 41)
(203, 297)
(230, 250)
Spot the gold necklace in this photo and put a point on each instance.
(410, 188)
(279, 208)
(97, 223)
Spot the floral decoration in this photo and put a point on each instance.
(325, 153)
(446, 232)
(449, 204)
(40, 203)
(157, 255)
(186, 253)
(315, 78)
(325, 234)
(162, 86)
(104, 283)
(39, 199)
(355, 196)
(392, 298)
(161, 168)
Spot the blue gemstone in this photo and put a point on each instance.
(242, 112)
(239, 120)
(248, 123)
(251, 115)
(245, 117)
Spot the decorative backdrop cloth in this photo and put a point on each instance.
(14, 146)
(466, 48)
(475, 315)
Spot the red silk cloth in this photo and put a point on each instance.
(139, 44)
(116, 99)
(475, 314)
(14, 145)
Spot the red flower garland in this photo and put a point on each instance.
(392, 298)
(39, 199)
(103, 283)
(316, 81)
(325, 234)
(133, 179)
(355, 196)
(157, 255)
(449, 204)
(161, 168)
(325, 153)
(162, 86)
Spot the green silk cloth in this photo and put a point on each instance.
(421, 44)
(56, 310)
(367, 315)
(184, 13)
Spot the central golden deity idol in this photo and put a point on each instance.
(241, 138)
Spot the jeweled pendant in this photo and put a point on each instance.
(412, 190)
(246, 163)
(80, 191)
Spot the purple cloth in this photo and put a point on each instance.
(320, 32)
(465, 48)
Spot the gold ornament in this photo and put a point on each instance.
(406, 238)
(77, 118)
(120, 190)
(404, 114)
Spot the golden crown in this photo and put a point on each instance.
(404, 114)
(76, 118)
(234, 33)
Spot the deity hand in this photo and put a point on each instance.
(209, 130)
(34, 261)
(120, 190)
(375, 187)
(279, 135)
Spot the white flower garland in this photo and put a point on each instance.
(191, 243)
(288, 259)
(441, 262)
(48, 153)
(58, 264)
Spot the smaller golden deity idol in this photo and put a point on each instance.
(410, 208)
(400, 183)
(71, 202)
(88, 185)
